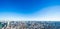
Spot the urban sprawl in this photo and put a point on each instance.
(29, 25)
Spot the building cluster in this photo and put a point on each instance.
(29, 25)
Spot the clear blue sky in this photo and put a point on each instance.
(26, 7)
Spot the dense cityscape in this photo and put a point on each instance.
(29, 25)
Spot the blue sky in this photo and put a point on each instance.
(29, 9)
